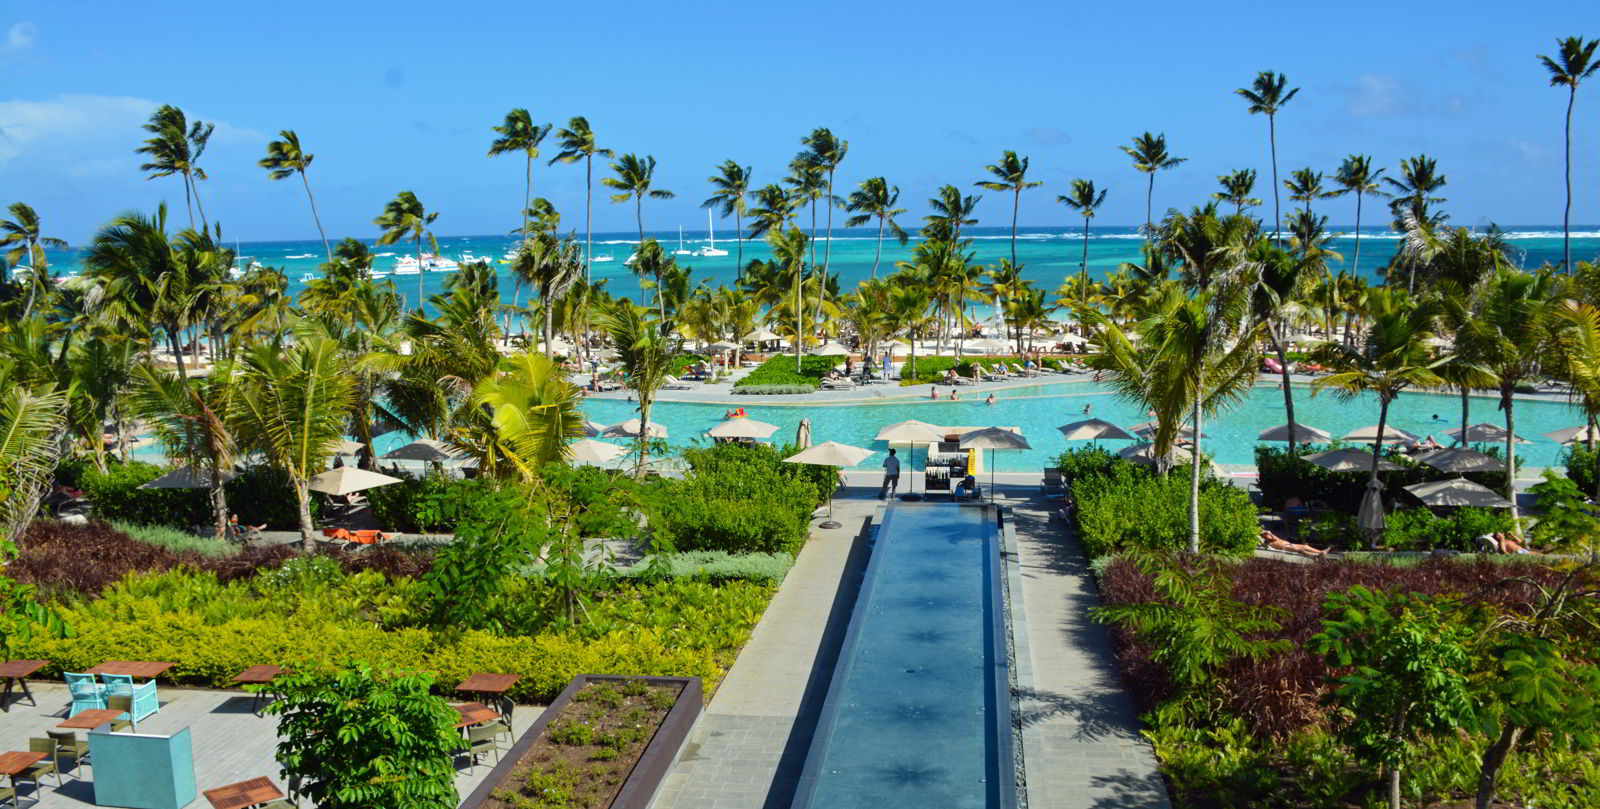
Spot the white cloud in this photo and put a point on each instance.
(19, 38)
(80, 126)
(1380, 95)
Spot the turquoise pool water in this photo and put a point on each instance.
(1039, 409)
(917, 713)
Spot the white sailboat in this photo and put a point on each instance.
(711, 249)
(680, 251)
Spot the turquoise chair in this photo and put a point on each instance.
(86, 693)
(144, 698)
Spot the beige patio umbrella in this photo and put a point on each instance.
(1483, 433)
(1146, 454)
(1094, 430)
(348, 479)
(1348, 459)
(723, 345)
(1573, 435)
(1457, 492)
(762, 335)
(986, 344)
(592, 428)
(829, 453)
(348, 447)
(1461, 461)
(423, 449)
(187, 477)
(1391, 435)
(802, 434)
(911, 432)
(1304, 433)
(587, 450)
(631, 428)
(742, 428)
(993, 438)
(1148, 430)
(829, 349)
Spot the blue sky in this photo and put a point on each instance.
(402, 95)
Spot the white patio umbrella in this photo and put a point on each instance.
(1146, 454)
(1457, 492)
(187, 477)
(348, 479)
(1148, 430)
(1348, 459)
(1094, 430)
(911, 432)
(1304, 433)
(349, 447)
(423, 449)
(1461, 461)
(1483, 433)
(1370, 517)
(993, 438)
(1391, 435)
(742, 428)
(829, 349)
(586, 450)
(723, 345)
(762, 335)
(830, 453)
(631, 428)
(592, 428)
(1572, 435)
(986, 345)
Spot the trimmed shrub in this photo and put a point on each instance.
(779, 370)
(1419, 529)
(1128, 506)
(740, 499)
(404, 506)
(1084, 462)
(176, 541)
(258, 495)
(933, 369)
(1581, 463)
(772, 390)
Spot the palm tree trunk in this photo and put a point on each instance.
(1355, 264)
(1194, 472)
(1016, 203)
(302, 497)
(204, 225)
(316, 217)
(638, 216)
(188, 199)
(1466, 414)
(877, 256)
(420, 272)
(588, 216)
(799, 316)
(1272, 138)
(1149, 197)
(1083, 266)
(1508, 401)
(1377, 452)
(1566, 213)
(738, 267)
(827, 249)
(1288, 391)
(1493, 759)
(644, 433)
(548, 335)
(219, 503)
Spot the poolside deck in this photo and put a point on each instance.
(231, 744)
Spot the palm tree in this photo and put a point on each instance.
(1010, 174)
(1419, 180)
(807, 183)
(285, 158)
(520, 134)
(644, 349)
(1357, 176)
(951, 211)
(1281, 285)
(1149, 153)
(292, 406)
(174, 147)
(1085, 201)
(404, 218)
(31, 419)
(774, 207)
(529, 414)
(578, 143)
(551, 266)
(634, 175)
(23, 238)
(191, 420)
(789, 252)
(1575, 63)
(875, 199)
(1305, 185)
(1575, 353)
(1393, 356)
(732, 183)
(1266, 95)
(1236, 188)
(826, 152)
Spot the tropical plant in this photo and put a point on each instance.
(1149, 154)
(30, 419)
(644, 349)
(732, 183)
(1085, 200)
(1357, 176)
(190, 419)
(1267, 96)
(402, 218)
(1415, 191)
(1305, 185)
(1010, 174)
(578, 143)
(1236, 188)
(520, 134)
(825, 151)
(22, 237)
(174, 147)
(773, 209)
(633, 181)
(285, 159)
(530, 412)
(1574, 346)
(875, 199)
(951, 211)
(1574, 63)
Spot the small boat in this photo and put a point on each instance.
(680, 251)
(630, 259)
(710, 250)
(407, 265)
(601, 259)
(307, 278)
(377, 275)
(304, 255)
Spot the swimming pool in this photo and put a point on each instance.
(918, 713)
(1039, 409)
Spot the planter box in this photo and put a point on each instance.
(647, 774)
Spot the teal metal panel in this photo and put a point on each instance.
(142, 770)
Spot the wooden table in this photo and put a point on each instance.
(91, 719)
(491, 688)
(142, 669)
(243, 794)
(474, 713)
(15, 763)
(15, 672)
(258, 675)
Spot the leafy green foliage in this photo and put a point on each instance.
(1129, 507)
(361, 738)
(773, 390)
(933, 369)
(779, 370)
(1582, 464)
(1419, 529)
(260, 495)
(411, 505)
(496, 531)
(740, 499)
(1569, 522)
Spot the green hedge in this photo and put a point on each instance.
(1580, 464)
(779, 370)
(260, 495)
(1127, 506)
(740, 499)
(933, 369)
(1283, 474)
(1419, 529)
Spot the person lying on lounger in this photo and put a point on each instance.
(1504, 543)
(1277, 543)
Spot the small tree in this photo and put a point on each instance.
(1405, 661)
(360, 739)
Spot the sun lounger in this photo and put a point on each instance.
(1021, 371)
(998, 372)
(1052, 480)
(842, 383)
(674, 383)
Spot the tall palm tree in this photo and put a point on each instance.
(1281, 284)
(31, 419)
(826, 152)
(174, 147)
(1010, 174)
(578, 143)
(807, 183)
(875, 199)
(774, 207)
(789, 252)
(634, 176)
(191, 420)
(292, 406)
(551, 266)
(23, 237)
(732, 183)
(1357, 176)
(1266, 96)
(520, 134)
(1149, 153)
(1414, 191)
(644, 349)
(1085, 200)
(284, 159)
(1575, 354)
(1236, 188)
(1305, 185)
(1570, 67)
(404, 217)
(529, 414)
(951, 211)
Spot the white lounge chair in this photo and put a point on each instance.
(674, 383)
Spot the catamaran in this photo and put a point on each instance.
(680, 251)
(711, 249)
